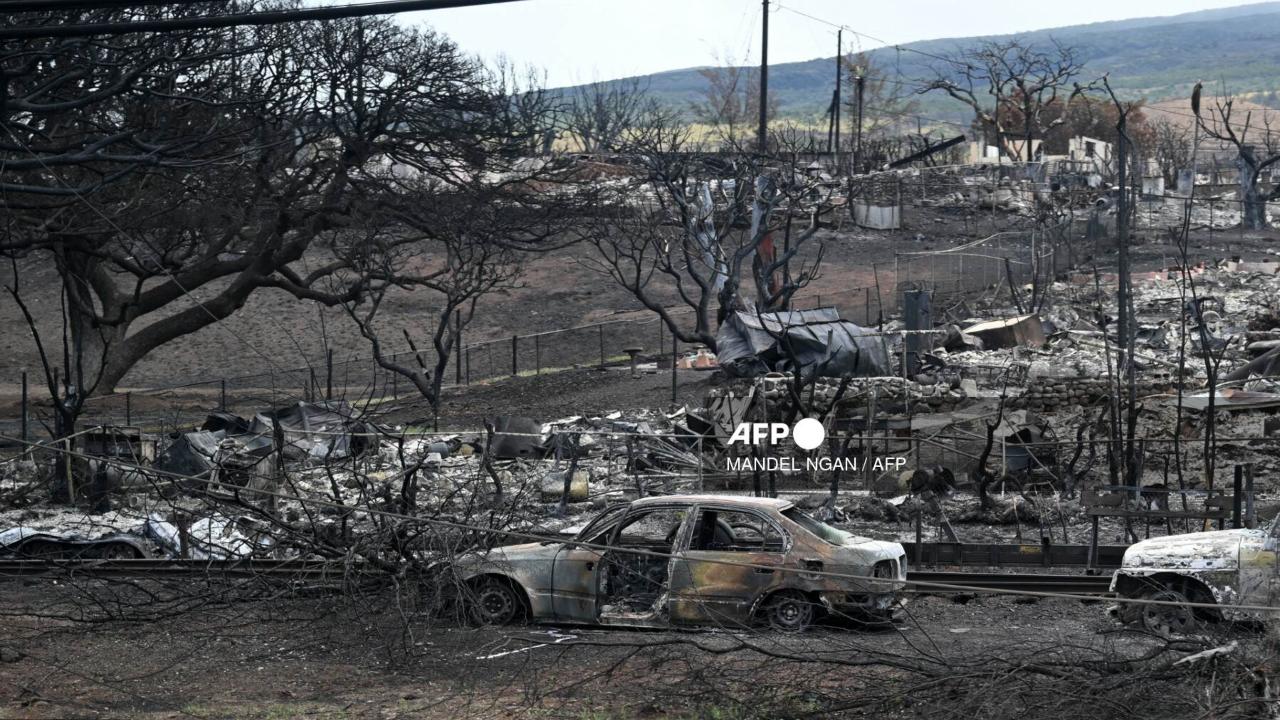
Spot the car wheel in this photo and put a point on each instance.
(789, 611)
(42, 550)
(1169, 620)
(1128, 612)
(494, 603)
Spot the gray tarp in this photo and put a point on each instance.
(313, 430)
(749, 344)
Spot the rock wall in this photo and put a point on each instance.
(889, 391)
(1048, 393)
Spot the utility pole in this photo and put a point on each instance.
(762, 139)
(1125, 322)
(857, 151)
(831, 121)
(839, 50)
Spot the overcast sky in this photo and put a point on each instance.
(581, 40)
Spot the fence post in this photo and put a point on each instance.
(1250, 519)
(674, 359)
(128, 408)
(919, 539)
(468, 366)
(1237, 490)
(66, 464)
(515, 365)
(25, 434)
(328, 375)
(224, 395)
(184, 534)
(457, 343)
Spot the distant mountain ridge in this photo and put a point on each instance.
(1156, 57)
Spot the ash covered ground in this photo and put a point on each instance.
(581, 439)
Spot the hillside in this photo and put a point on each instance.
(1156, 58)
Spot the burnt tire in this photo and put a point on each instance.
(494, 602)
(1130, 612)
(1169, 620)
(788, 611)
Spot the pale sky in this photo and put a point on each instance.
(582, 40)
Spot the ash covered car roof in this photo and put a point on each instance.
(739, 500)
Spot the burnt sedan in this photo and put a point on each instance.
(688, 560)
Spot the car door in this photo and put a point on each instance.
(575, 570)
(636, 569)
(715, 577)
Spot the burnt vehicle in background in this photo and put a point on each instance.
(24, 543)
(688, 560)
(1226, 568)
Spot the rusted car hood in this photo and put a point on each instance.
(1219, 550)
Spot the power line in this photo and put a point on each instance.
(49, 6)
(872, 38)
(266, 17)
(914, 86)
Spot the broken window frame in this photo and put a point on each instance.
(633, 514)
(765, 521)
(598, 531)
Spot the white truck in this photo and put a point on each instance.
(1234, 571)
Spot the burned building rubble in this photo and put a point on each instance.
(1041, 383)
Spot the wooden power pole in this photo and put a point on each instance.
(762, 139)
(857, 150)
(839, 50)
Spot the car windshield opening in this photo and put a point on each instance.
(597, 530)
(817, 527)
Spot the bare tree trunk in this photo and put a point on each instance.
(1253, 206)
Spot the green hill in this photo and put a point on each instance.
(1155, 58)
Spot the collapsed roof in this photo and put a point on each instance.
(310, 431)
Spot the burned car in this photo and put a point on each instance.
(688, 560)
(25, 543)
(1226, 568)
